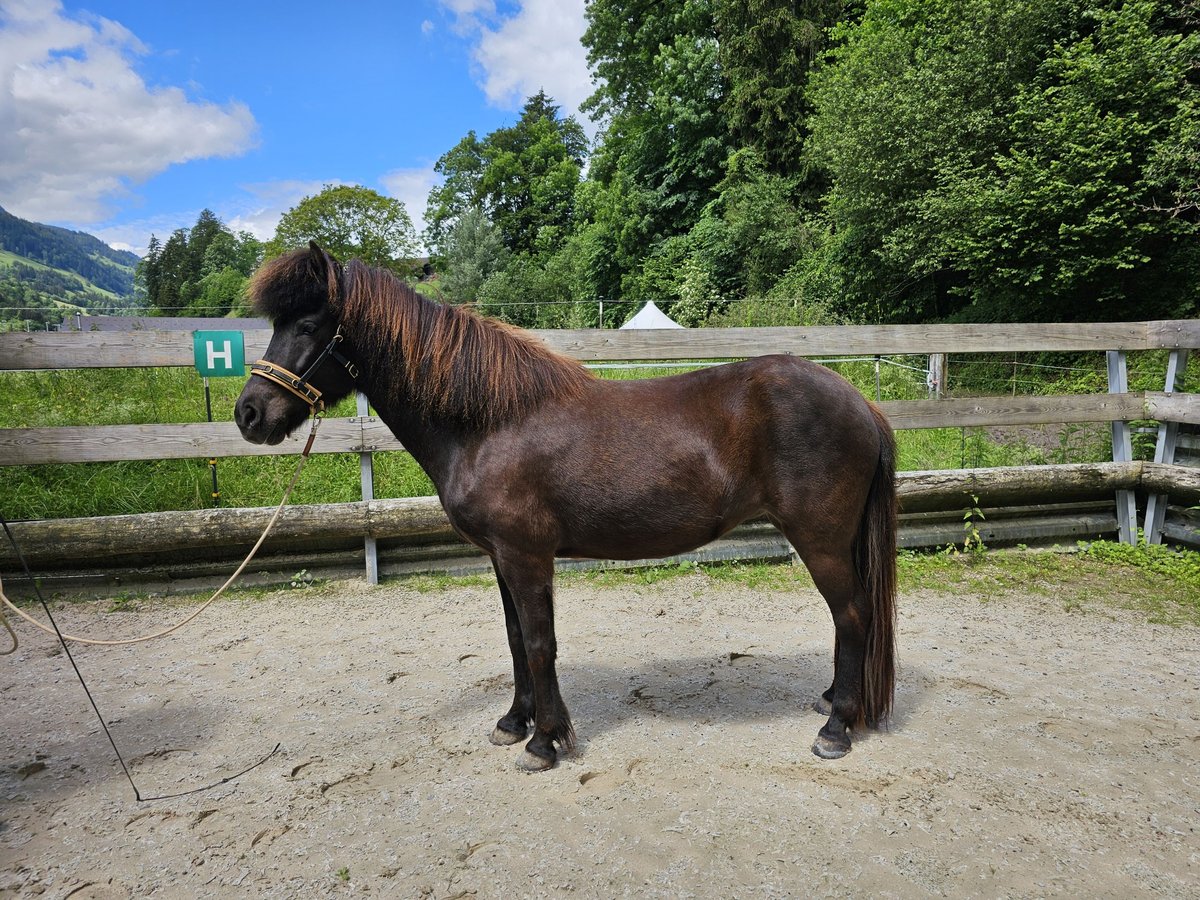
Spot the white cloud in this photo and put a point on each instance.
(256, 210)
(537, 48)
(79, 127)
(411, 187)
(467, 13)
(259, 213)
(260, 206)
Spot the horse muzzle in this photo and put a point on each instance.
(257, 422)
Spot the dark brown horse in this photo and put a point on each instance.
(534, 458)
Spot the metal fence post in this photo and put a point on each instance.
(1164, 450)
(1122, 448)
(366, 471)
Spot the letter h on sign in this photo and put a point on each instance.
(220, 353)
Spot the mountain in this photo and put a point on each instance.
(44, 268)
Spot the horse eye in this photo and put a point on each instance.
(308, 328)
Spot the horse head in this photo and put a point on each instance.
(306, 367)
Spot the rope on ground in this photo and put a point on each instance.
(207, 603)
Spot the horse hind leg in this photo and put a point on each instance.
(824, 703)
(834, 574)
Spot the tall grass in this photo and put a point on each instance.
(141, 396)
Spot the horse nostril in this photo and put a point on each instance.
(247, 415)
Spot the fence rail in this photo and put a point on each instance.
(131, 349)
(365, 434)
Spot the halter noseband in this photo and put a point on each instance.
(298, 384)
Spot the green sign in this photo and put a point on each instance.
(220, 353)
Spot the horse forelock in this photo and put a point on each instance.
(287, 287)
(451, 363)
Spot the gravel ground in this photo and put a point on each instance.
(1036, 750)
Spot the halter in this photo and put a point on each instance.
(298, 384)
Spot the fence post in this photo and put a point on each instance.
(937, 375)
(1164, 450)
(1122, 448)
(366, 471)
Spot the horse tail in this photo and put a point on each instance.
(875, 561)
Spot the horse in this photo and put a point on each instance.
(535, 458)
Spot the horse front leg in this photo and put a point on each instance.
(530, 580)
(514, 725)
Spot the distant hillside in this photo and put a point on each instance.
(44, 269)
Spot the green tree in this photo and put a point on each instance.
(461, 168)
(218, 292)
(207, 229)
(1005, 160)
(665, 139)
(149, 272)
(173, 267)
(351, 222)
(178, 277)
(474, 251)
(529, 177)
(767, 50)
(523, 177)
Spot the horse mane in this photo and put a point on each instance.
(449, 362)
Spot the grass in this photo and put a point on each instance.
(140, 396)
(1159, 583)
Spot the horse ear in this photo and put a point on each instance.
(320, 261)
(323, 266)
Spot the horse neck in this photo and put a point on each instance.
(432, 444)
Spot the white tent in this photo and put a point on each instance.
(650, 316)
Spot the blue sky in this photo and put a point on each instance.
(125, 118)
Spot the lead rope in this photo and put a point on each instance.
(207, 603)
(64, 638)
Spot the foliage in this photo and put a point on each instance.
(993, 160)
(351, 222)
(530, 174)
(522, 177)
(201, 271)
(664, 140)
(902, 160)
(473, 252)
(46, 272)
(461, 168)
(767, 50)
(1182, 566)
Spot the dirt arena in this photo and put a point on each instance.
(1039, 748)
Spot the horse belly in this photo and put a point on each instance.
(666, 525)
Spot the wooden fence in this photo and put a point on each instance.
(1015, 499)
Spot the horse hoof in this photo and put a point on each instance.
(502, 738)
(823, 706)
(531, 762)
(829, 749)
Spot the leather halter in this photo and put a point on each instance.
(298, 384)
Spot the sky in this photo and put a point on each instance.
(126, 118)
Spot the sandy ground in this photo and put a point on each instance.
(1035, 752)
